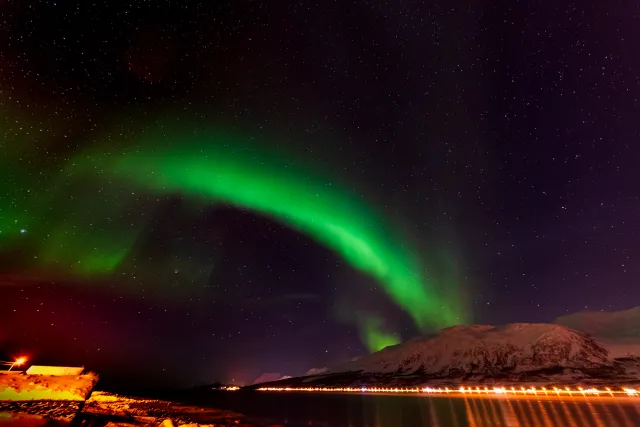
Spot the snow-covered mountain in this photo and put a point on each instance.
(520, 352)
(618, 331)
(486, 350)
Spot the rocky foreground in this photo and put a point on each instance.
(111, 410)
(20, 386)
(38, 412)
(34, 400)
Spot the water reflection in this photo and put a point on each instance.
(383, 411)
(541, 413)
(366, 410)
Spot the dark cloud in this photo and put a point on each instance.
(623, 324)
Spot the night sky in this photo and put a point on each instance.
(201, 191)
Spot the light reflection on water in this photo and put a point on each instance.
(321, 410)
(573, 413)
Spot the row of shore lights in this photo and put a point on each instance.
(555, 391)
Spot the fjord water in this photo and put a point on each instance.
(342, 410)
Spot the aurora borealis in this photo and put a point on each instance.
(221, 169)
(214, 191)
(227, 172)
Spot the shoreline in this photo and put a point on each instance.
(103, 408)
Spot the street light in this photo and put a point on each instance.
(18, 362)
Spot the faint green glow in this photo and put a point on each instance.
(84, 251)
(20, 187)
(90, 228)
(373, 336)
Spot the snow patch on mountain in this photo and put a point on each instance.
(270, 376)
(317, 371)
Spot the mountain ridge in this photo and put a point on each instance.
(483, 348)
(518, 352)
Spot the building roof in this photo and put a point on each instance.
(55, 370)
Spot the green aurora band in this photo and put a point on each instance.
(214, 167)
(222, 168)
(373, 335)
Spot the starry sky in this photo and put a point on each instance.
(201, 191)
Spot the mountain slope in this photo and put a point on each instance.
(483, 349)
(522, 353)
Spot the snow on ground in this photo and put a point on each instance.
(18, 386)
(30, 411)
(111, 410)
(130, 412)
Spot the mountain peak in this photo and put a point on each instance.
(470, 354)
(484, 349)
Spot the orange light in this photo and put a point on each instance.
(522, 391)
(20, 361)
